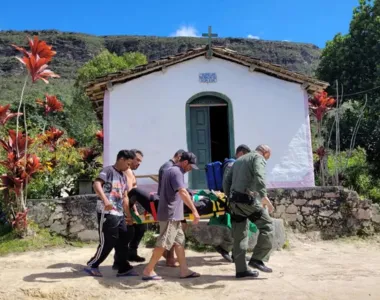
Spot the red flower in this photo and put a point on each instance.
(19, 171)
(51, 104)
(6, 115)
(37, 60)
(39, 48)
(100, 136)
(32, 165)
(52, 136)
(11, 183)
(88, 154)
(71, 141)
(20, 222)
(11, 146)
(320, 104)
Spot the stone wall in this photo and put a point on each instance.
(334, 211)
(331, 210)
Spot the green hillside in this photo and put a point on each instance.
(75, 49)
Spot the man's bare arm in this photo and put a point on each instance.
(185, 196)
(98, 187)
(127, 208)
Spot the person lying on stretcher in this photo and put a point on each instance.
(205, 203)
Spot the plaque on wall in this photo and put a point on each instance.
(207, 77)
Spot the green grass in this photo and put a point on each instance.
(42, 239)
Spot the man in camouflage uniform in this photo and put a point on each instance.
(245, 186)
(226, 246)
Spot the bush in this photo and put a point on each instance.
(355, 173)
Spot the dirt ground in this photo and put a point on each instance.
(344, 269)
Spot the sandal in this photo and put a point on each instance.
(153, 277)
(191, 275)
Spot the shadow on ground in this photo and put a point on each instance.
(109, 279)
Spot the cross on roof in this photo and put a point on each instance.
(210, 35)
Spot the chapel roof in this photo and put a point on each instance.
(96, 88)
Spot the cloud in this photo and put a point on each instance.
(255, 37)
(186, 31)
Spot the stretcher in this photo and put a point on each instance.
(208, 205)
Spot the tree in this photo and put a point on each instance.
(82, 122)
(353, 60)
(107, 62)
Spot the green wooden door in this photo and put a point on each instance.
(200, 144)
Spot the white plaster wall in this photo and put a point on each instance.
(148, 113)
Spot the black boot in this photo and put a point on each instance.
(258, 264)
(223, 253)
(248, 273)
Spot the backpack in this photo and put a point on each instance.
(214, 174)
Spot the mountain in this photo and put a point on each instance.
(75, 49)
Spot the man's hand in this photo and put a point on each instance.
(135, 210)
(196, 217)
(265, 202)
(108, 205)
(129, 220)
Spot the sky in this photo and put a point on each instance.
(304, 21)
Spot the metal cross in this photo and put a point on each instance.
(210, 35)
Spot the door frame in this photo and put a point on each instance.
(231, 136)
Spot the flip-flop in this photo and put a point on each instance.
(153, 277)
(93, 272)
(192, 275)
(129, 273)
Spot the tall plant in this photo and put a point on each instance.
(319, 105)
(19, 164)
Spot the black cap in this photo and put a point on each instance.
(191, 158)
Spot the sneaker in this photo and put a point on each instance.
(127, 271)
(248, 273)
(224, 254)
(258, 264)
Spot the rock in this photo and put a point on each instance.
(57, 216)
(315, 203)
(364, 214)
(326, 213)
(306, 210)
(280, 209)
(58, 209)
(308, 195)
(88, 235)
(279, 236)
(59, 228)
(332, 195)
(336, 216)
(293, 194)
(76, 228)
(376, 213)
(291, 217)
(299, 202)
(299, 218)
(292, 209)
